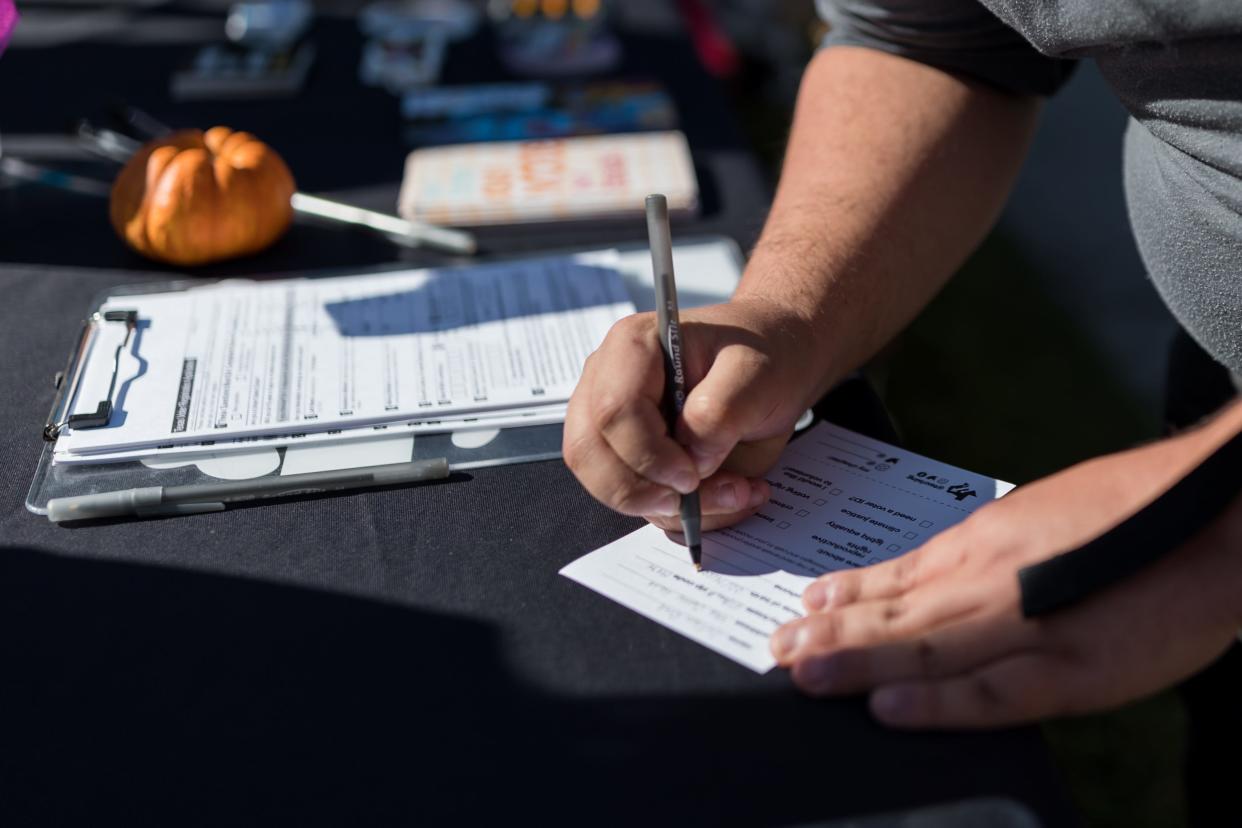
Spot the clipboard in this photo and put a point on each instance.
(708, 270)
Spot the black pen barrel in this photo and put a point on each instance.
(230, 490)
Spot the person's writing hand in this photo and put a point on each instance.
(748, 370)
(937, 636)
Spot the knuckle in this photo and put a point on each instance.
(760, 366)
(645, 463)
(637, 327)
(927, 657)
(959, 556)
(844, 588)
(629, 497)
(590, 363)
(906, 571)
(986, 527)
(609, 410)
(573, 451)
(988, 695)
(892, 611)
(623, 498)
(662, 522)
(802, 680)
(828, 630)
(839, 588)
(710, 414)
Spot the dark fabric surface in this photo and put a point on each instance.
(402, 655)
(379, 654)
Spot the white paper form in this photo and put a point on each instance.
(839, 500)
(482, 421)
(294, 356)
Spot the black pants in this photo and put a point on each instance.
(1197, 386)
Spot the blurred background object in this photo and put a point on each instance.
(277, 23)
(407, 39)
(8, 19)
(554, 38)
(538, 109)
(264, 55)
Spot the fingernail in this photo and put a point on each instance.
(705, 462)
(685, 481)
(815, 597)
(785, 641)
(757, 495)
(667, 505)
(890, 704)
(726, 496)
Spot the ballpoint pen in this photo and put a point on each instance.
(670, 343)
(212, 497)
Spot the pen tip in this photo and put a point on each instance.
(698, 567)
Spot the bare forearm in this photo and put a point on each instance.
(893, 174)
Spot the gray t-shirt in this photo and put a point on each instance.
(1176, 65)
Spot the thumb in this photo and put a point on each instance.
(728, 405)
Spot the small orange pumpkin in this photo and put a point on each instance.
(196, 197)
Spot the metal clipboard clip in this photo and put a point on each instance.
(67, 380)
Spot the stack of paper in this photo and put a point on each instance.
(235, 364)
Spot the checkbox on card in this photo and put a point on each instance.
(784, 524)
(892, 547)
(925, 523)
(835, 492)
(803, 513)
(819, 501)
(911, 536)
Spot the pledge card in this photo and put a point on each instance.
(839, 500)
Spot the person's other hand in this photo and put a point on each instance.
(937, 636)
(749, 376)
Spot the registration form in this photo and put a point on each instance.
(232, 361)
(483, 421)
(839, 500)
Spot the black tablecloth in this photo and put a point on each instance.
(394, 655)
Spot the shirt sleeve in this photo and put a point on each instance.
(959, 36)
